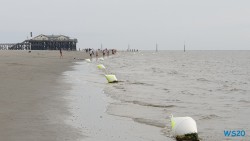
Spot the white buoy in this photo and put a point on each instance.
(111, 78)
(101, 59)
(183, 125)
(88, 60)
(100, 66)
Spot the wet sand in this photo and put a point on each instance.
(32, 105)
(89, 106)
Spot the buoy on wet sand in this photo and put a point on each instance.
(184, 128)
(111, 78)
(88, 60)
(101, 59)
(100, 66)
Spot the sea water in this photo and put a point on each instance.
(213, 87)
(88, 105)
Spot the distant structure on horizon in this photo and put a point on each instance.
(45, 42)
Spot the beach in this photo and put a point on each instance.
(47, 98)
(89, 104)
(32, 106)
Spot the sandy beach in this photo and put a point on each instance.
(46, 98)
(32, 105)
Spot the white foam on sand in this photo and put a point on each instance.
(88, 106)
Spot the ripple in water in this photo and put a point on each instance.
(150, 104)
(180, 82)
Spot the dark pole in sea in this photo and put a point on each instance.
(156, 47)
(30, 38)
(184, 47)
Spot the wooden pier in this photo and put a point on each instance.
(45, 42)
(6, 46)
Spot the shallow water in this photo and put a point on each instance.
(88, 105)
(210, 86)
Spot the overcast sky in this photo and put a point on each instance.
(202, 24)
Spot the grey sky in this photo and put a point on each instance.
(204, 25)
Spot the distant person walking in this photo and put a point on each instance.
(61, 56)
(90, 54)
(96, 55)
(103, 53)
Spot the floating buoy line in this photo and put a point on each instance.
(183, 128)
(111, 78)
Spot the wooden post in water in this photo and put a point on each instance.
(184, 47)
(156, 47)
(30, 38)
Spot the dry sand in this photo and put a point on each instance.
(31, 105)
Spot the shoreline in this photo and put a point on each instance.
(36, 103)
(89, 106)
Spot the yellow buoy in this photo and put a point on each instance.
(111, 78)
(100, 66)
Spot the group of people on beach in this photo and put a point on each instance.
(132, 50)
(105, 52)
(93, 52)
